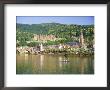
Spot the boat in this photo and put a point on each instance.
(65, 60)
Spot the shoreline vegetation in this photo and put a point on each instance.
(77, 51)
(55, 38)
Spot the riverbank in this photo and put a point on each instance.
(64, 51)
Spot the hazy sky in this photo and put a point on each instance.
(81, 20)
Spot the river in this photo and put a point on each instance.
(54, 64)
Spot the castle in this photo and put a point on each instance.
(44, 38)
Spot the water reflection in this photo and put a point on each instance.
(60, 62)
(41, 61)
(54, 64)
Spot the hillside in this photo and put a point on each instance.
(52, 28)
(46, 31)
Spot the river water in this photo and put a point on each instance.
(54, 64)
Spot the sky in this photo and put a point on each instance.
(80, 20)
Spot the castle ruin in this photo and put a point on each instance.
(44, 38)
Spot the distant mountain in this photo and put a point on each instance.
(46, 28)
(36, 28)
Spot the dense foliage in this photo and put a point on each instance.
(22, 37)
(67, 32)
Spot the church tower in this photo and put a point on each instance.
(81, 39)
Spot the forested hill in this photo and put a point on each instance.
(53, 28)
